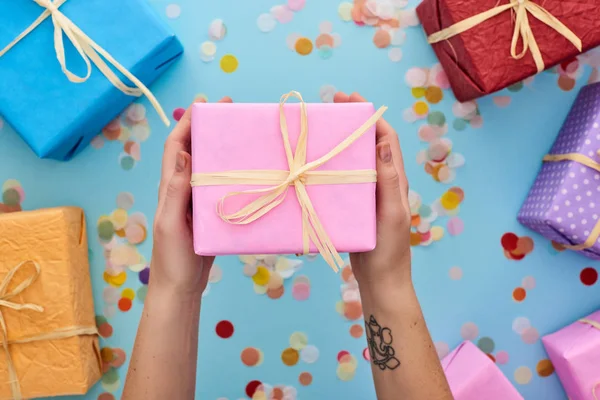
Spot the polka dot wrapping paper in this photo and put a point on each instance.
(286, 327)
(564, 202)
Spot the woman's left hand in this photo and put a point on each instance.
(175, 267)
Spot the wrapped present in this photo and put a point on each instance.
(47, 327)
(472, 375)
(488, 45)
(563, 203)
(284, 178)
(59, 94)
(575, 354)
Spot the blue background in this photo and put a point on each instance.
(502, 159)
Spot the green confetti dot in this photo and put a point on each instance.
(106, 230)
(111, 376)
(436, 118)
(100, 319)
(486, 345)
(516, 87)
(325, 52)
(127, 162)
(11, 197)
(459, 124)
(141, 293)
(90, 254)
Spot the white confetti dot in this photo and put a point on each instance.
(173, 11)
(398, 37)
(345, 11)
(207, 51)
(291, 40)
(520, 324)
(395, 54)
(469, 331)
(309, 354)
(409, 115)
(416, 77)
(217, 29)
(326, 93)
(266, 22)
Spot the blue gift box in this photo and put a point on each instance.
(56, 117)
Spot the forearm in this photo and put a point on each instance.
(163, 363)
(403, 359)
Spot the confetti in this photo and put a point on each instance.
(326, 93)
(266, 22)
(345, 11)
(305, 378)
(229, 63)
(486, 345)
(173, 11)
(588, 276)
(217, 30)
(520, 324)
(224, 329)
(523, 375)
(251, 357)
(442, 349)
(544, 368)
(346, 367)
(469, 331)
(309, 354)
(298, 340)
(208, 50)
(290, 357)
(502, 357)
(455, 273)
(303, 46)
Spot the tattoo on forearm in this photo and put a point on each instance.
(379, 342)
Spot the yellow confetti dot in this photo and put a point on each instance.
(303, 46)
(116, 280)
(298, 340)
(259, 395)
(290, 357)
(260, 289)
(346, 371)
(418, 92)
(128, 294)
(421, 108)
(106, 354)
(450, 200)
(262, 276)
(434, 94)
(229, 63)
(437, 232)
(345, 11)
(119, 218)
(339, 307)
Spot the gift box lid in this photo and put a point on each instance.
(473, 376)
(575, 354)
(56, 117)
(563, 203)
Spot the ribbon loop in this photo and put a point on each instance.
(522, 28)
(299, 175)
(89, 51)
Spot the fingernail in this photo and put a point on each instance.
(385, 153)
(180, 162)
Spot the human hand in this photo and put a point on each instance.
(175, 267)
(389, 262)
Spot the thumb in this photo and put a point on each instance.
(389, 195)
(177, 195)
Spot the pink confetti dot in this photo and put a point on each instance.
(282, 14)
(528, 283)
(366, 355)
(477, 122)
(416, 77)
(455, 226)
(301, 291)
(455, 273)
(502, 101)
(442, 349)
(178, 113)
(530, 335)
(469, 331)
(502, 357)
(296, 5)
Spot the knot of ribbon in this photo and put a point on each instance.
(522, 8)
(7, 302)
(590, 163)
(593, 324)
(300, 174)
(89, 51)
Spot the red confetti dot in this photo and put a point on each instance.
(491, 356)
(588, 276)
(224, 330)
(509, 241)
(251, 387)
(342, 354)
(105, 330)
(178, 113)
(124, 304)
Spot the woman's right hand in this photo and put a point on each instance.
(389, 262)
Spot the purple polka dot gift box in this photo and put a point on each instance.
(564, 202)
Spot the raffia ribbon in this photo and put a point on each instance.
(299, 175)
(590, 163)
(596, 325)
(89, 51)
(522, 28)
(5, 301)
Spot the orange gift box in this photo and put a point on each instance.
(50, 344)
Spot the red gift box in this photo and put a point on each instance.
(478, 61)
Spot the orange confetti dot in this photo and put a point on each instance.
(415, 220)
(120, 232)
(566, 83)
(324, 39)
(356, 331)
(275, 293)
(519, 294)
(125, 304)
(558, 246)
(544, 368)
(415, 239)
(277, 394)
(305, 378)
(250, 356)
(303, 46)
(106, 354)
(524, 246)
(290, 356)
(346, 273)
(353, 310)
(434, 94)
(382, 39)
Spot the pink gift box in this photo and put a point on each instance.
(229, 137)
(473, 376)
(575, 353)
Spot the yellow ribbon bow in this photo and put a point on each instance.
(6, 302)
(299, 175)
(590, 163)
(88, 50)
(593, 324)
(522, 28)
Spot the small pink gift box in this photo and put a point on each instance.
(234, 137)
(575, 353)
(473, 376)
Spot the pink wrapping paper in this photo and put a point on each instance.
(241, 136)
(575, 354)
(473, 376)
